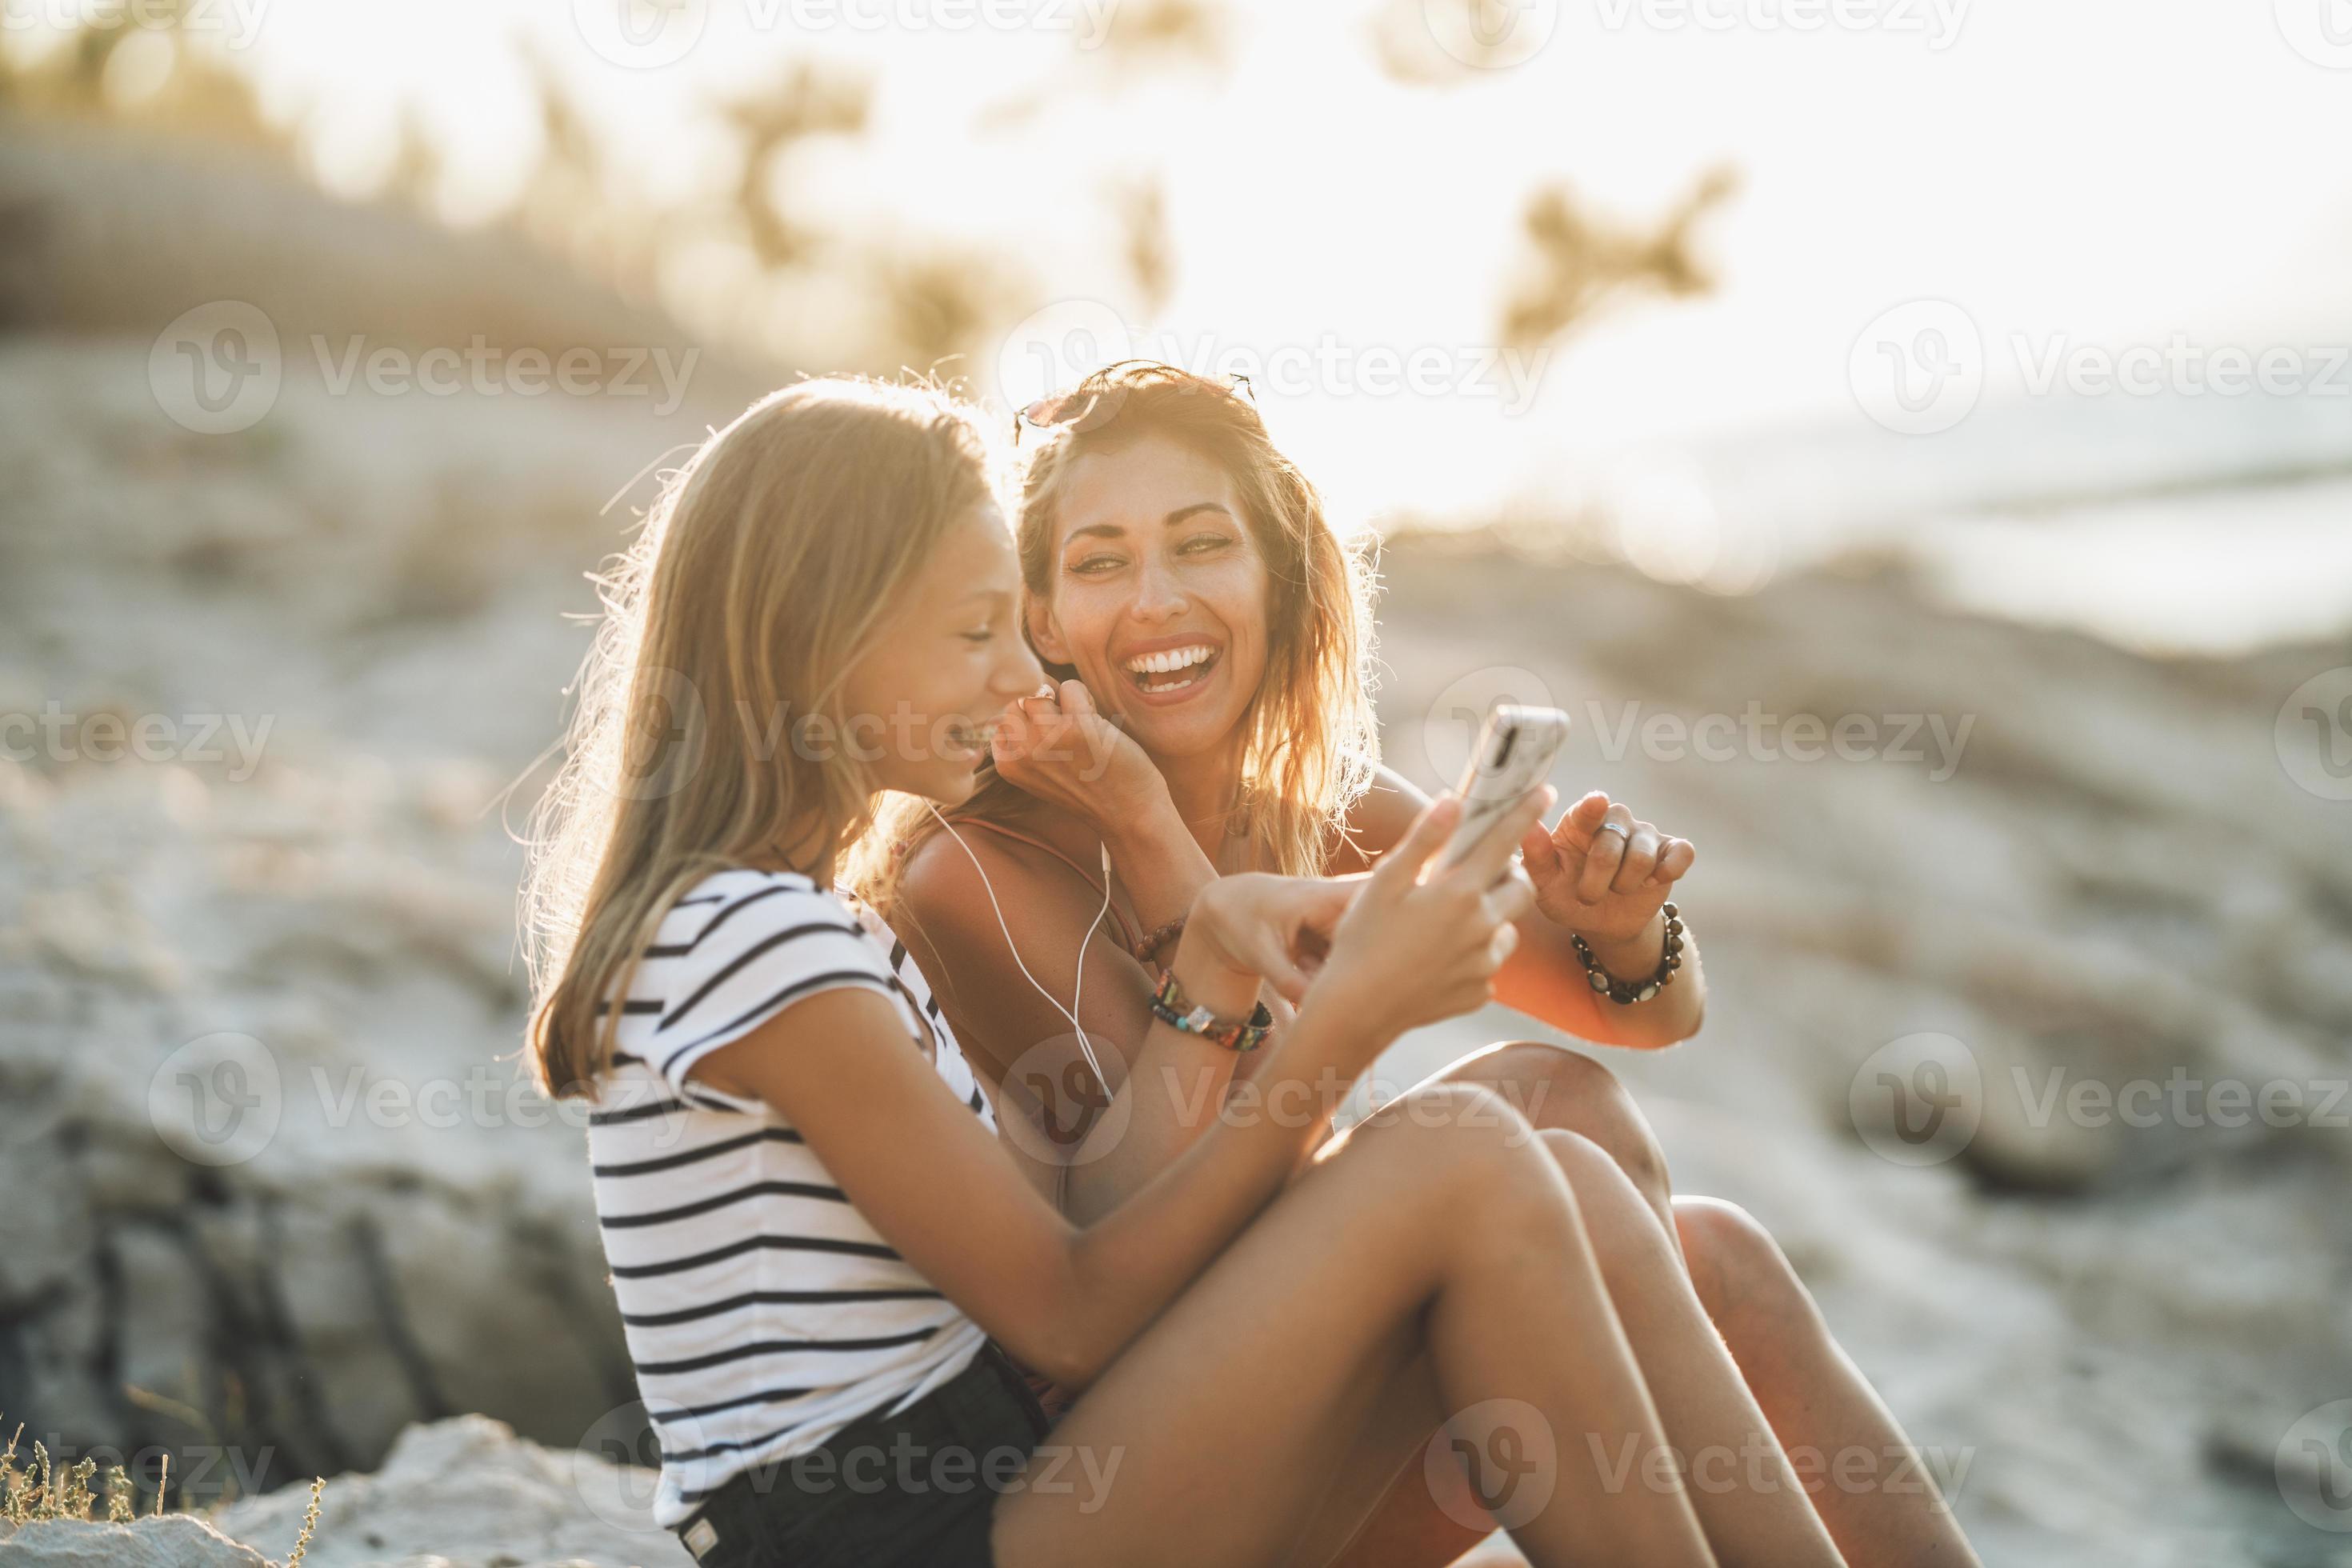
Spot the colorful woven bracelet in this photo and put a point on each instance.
(1178, 1011)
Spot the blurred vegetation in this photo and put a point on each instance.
(808, 102)
(1148, 245)
(153, 76)
(1156, 34)
(1580, 263)
(1403, 37)
(731, 250)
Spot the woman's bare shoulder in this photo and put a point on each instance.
(1379, 817)
(1024, 854)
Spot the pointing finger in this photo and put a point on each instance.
(1583, 820)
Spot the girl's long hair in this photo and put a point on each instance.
(1313, 745)
(709, 709)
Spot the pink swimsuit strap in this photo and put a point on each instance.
(1126, 933)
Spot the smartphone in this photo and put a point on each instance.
(1515, 755)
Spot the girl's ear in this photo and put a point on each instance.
(1045, 636)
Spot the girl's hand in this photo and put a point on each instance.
(1059, 748)
(1250, 927)
(1420, 944)
(1601, 873)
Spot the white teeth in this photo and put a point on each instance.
(1170, 659)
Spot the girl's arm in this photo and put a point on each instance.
(1545, 978)
(938, 1187)
(1160, 1086)
(941, 1191)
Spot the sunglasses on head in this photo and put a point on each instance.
(1097, 401)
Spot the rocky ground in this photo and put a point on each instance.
(2096, 873)
(2111, 1310)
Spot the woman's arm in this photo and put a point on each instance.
(1545, 978)
(1059, 748)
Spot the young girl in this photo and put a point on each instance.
(817, 1241)
(1210, 633)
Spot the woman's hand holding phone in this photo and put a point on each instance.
(1421, 942)
(1407, 944)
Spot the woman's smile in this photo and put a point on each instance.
(1171, 669)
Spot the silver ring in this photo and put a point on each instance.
(1624, 828)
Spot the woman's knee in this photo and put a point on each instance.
(1556, 1087)
(1466, 1145)
(1452, 1122)
(1741, 1275)
(1617, 1213)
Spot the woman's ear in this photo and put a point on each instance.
(1045, 636)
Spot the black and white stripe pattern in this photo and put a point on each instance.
(763, 1312)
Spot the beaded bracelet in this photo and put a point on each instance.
(1624, 993)
(1161, 936)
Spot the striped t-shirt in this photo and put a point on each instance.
(763, 1312)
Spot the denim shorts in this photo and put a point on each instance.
(917, 1487)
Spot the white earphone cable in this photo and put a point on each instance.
(1078, 991)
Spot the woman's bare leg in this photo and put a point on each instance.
(1809, 1390)
(1231, 1416)
(1814, 1395)
(1815, 1398)
(1750, 1506)
(1388, 1508)
(1744, 1486)
(1554, 1087)
(1749, 1497)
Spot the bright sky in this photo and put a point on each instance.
(2104, 173)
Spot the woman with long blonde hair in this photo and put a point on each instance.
(820, 1250)
(1210, 633)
